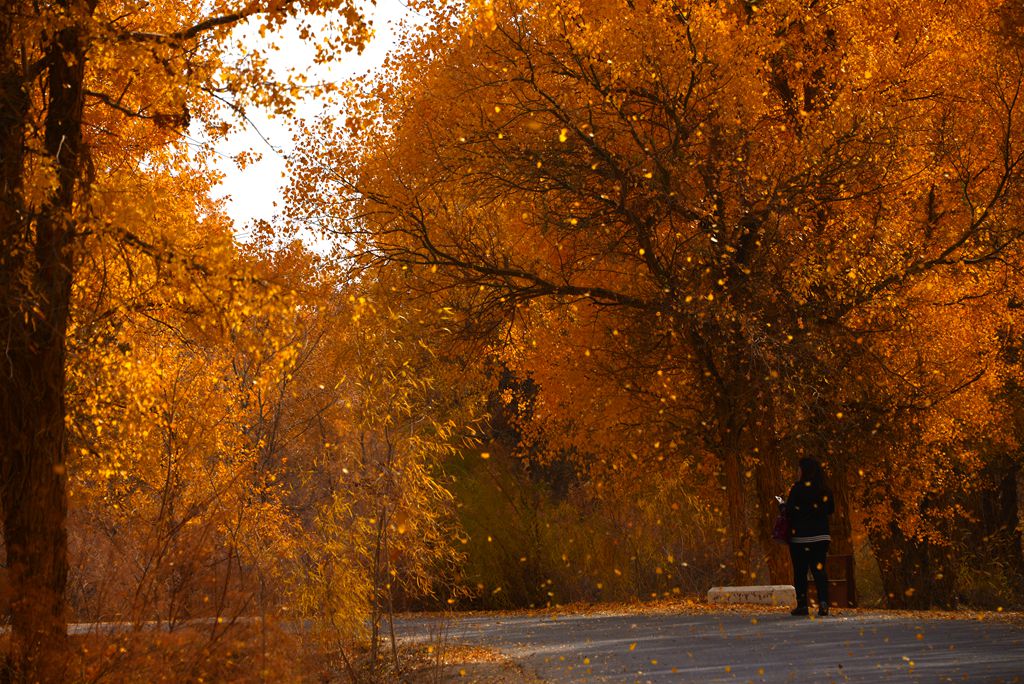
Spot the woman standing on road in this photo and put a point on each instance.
(808, 506)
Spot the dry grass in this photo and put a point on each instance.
(236, 653)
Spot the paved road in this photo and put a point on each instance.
(747, 647)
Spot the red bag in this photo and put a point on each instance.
(781, 531)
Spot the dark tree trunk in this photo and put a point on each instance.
(729, 439)
(915, 573)
(768, 472)
(776, 555)
(35, 509)
(739, 530)
(732, 429)
(998, 527)
(841, 525)
(35, 294)
(1008, 523)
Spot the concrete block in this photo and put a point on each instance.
(769, 594)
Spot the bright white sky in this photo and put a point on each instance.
(256, 191)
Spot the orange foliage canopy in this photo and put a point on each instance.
(774, 228)
(94, 98)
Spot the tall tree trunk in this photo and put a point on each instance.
(1000, 520)
(915, 573)
(35, 509)
(768, 474)
(728, 440)
(739, 530)
(33, 484)
(34, 310)
(841, 526)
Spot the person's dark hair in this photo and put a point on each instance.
(811, 470)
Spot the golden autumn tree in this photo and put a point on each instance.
(262, 445)
(920, 423)
(755, 188)
(177, 501)
(78, 77)
(384, 533)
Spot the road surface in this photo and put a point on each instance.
(743, 647)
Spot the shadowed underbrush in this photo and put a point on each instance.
(530, 543)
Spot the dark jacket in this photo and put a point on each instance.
(808, 509)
